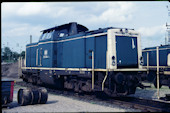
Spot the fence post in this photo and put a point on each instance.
(147, 62)
(18, 67)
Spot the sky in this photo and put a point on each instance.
(19, 20)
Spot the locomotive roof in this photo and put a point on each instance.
(66, 26)
(80, 27)
(161, 46)
(104, 29)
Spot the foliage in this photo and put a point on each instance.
(23, 54)
(7, 55)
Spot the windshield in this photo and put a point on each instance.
(47, 35)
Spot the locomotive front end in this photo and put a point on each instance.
(124, 61)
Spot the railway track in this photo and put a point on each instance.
(143, 104)
(131, 102)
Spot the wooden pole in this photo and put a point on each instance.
(30, 39)
(18, 65)
(21, 68)
(21, 62)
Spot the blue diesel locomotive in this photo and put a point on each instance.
(70, 56)
(157, 60)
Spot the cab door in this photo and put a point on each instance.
(90, 46)
(127, 54)
(39, 56)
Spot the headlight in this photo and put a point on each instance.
(124, 30)
(113, 61)
(113, 57)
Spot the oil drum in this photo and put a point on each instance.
(32, 96)
(43, 95)
(24, 97)
(35, 96)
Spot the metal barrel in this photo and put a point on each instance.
(32, 96)
(43, 95)
(35, 96)
(24, 97)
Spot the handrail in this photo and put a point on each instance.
(106, 72)
(92, 69)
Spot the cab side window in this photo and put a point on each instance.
(63, 33)
(60, 33)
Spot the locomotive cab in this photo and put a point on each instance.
(62, 31)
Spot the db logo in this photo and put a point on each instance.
(45, 54)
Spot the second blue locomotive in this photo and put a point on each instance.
(157, 61)
(70, 56)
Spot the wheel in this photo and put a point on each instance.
(151, 76)
(34, 80)
(30, 79)
(119, 78)
(155, 83)
(39, 82)
(5, 100)
(76, 87)
(25, 80)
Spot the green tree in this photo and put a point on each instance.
(7, 53)
(9, 56)
(15, 56)
(22, 54)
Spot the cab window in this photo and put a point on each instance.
(63, 33)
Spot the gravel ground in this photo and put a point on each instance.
(58, 103)
(151, 93)
(9, 70)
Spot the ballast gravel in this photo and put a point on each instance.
(60, 103)
(151, 92)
